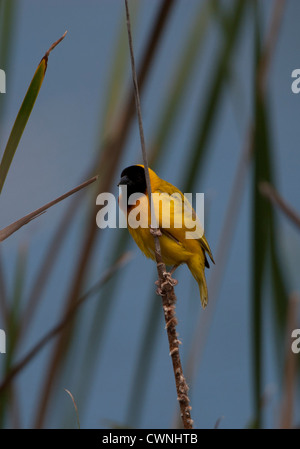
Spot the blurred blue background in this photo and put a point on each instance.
(55, 154)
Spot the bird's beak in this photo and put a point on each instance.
(124, 181)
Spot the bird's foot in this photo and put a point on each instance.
(156, 232)
(159, 290)
(167, 280)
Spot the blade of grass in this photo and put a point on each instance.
(259, 254)
(264, 229)
(260, 227)
(24, 114)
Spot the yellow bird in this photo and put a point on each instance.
(175, 217)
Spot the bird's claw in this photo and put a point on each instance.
(156, 232)
(167, 280)
(159, 291)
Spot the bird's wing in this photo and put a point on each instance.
(177, 218)
(174, 213)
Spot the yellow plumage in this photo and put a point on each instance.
(176, 249)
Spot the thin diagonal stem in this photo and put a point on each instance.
(271, 193)
(167, 290)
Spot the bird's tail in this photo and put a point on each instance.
(196, 266)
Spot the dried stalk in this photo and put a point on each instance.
(75, 406)
(167, 289)
(271, 193)
(16, 225)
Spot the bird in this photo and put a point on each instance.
(176, 248)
